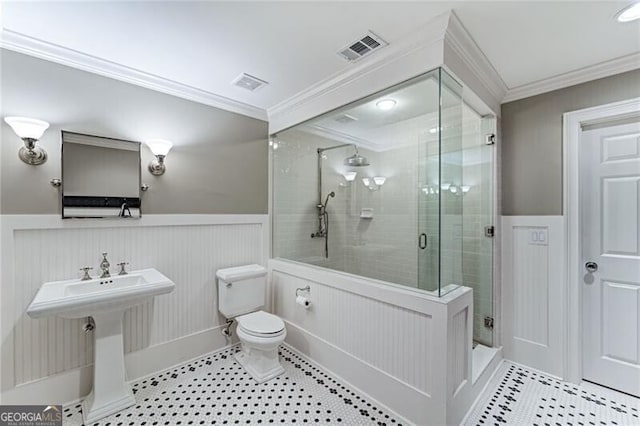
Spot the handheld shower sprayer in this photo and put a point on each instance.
(323, 223)
(331, 194)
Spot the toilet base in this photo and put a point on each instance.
(261, 365)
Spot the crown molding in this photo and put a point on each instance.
(415, 41)
(582, 75)
(464, 46)
(27, 45)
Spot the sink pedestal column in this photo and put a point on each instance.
(110, 392)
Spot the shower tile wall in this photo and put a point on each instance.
(294, 204)
(383, 247)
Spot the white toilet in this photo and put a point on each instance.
(241, 293)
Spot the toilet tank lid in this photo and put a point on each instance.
(238, 273)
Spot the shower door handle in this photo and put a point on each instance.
(422, 241)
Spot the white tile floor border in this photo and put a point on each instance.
(519, 396)
(215, 389)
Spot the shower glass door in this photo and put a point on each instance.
(478, 259)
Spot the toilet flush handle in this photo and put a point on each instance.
(229, 285)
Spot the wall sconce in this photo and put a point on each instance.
(350, 176)
(160, 148)
(430, 190)
(374, 183)
(30, 131)
(465, 188)
(379, 180)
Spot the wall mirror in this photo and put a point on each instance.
(100, 177)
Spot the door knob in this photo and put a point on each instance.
(591, 266)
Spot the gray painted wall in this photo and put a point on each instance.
(218, 163)
(532, 141)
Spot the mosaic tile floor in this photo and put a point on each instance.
(519, 396)
(216, 390)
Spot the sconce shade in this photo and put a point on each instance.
(379, 180)
(159, 146)
(350, 176)
(27, 128)
(366, 181)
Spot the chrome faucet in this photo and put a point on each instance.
(124, 210)
(104, 265)
(86, 276)
(122, 268)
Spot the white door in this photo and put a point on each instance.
(610, 207)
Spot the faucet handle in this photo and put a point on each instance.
(86, 275)
(122, 270)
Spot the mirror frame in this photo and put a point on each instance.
(93, 202)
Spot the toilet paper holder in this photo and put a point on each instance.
(307, 289)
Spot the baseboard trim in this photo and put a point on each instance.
(405, 401)
(75, 384)
(481, 384)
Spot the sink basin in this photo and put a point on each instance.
(77, 299)
(105, 300)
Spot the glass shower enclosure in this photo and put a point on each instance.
(379, 188)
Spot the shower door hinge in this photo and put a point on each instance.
(490, 139)
(490, 231)
(488, 322)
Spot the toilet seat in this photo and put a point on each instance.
(261, 324)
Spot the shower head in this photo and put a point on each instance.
(356, 160)
(331, 194)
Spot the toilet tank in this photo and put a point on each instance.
(241, 289)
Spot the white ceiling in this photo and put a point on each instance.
(293, 45)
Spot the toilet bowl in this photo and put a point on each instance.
(241, 295)
(260, 334)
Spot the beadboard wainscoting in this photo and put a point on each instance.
(533, 292)
(48, 360)
(406, 349)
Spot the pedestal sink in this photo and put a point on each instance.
(105, 300)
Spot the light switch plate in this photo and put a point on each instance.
(538, 236)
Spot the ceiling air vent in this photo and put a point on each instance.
(360, 48)
(345, 118)
(248, 82)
